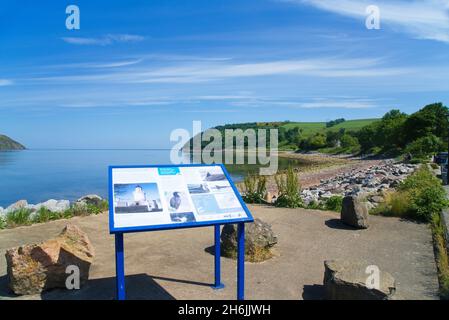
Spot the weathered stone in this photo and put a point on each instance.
(90, 199)
(354, 212)
(259, 239)
(35, 268)
(354, 280)
(17, 205)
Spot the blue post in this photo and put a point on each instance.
(241, 261)
(217, 284)
(120, 266)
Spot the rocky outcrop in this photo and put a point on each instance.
(52, 205)
(7, 144)
(259, 239)
(34, 268)
(354, 280)
(354, 212)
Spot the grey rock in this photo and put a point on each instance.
(54, 205)
(354, 212)
(348, 280)
(258, 236)
(90, 199)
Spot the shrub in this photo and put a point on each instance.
(348, 141)
(399, 204)
(426, 194)
(315, 205)
(86, 209)
(317, 141)
(255, 189)
(288, 188)
(334, 203)
(2, 222)
(19, 217)
(441, 255)
(434, 166)
(418, 197)
(424, 147)
(45, 215)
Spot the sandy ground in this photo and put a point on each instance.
(175, 264)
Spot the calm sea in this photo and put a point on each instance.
(39, 175)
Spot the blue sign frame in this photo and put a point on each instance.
(119, 232)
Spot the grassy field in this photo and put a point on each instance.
(310, 128)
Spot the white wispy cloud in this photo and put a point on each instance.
(423, 19)
(312, 103)
(94, 65)
(213, 71)
(104, 40)
(338, 104)
(5, 82)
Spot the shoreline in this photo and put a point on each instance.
(311, 167)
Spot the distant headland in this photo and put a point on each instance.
(8, 144)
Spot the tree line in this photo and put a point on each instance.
(421, 134)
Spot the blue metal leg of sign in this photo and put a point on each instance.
(120, 266)
(241, 262)
(217, 285)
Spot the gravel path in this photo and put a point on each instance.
(175, 265)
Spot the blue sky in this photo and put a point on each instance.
(136, 70)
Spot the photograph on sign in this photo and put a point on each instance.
(164, 196)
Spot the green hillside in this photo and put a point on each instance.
(6, 144)
(310, 128)
(292, 133)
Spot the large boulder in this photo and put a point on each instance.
(259, 239)
(354, 212)
(34, 268)
(347, 280)
(90, 199)
(54, 205)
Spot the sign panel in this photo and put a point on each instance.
(145, 198)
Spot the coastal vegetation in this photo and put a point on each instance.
(255, 189)
(288, 190)
(25, 217)
(441, 255)
(8, 144)
(419, 197)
